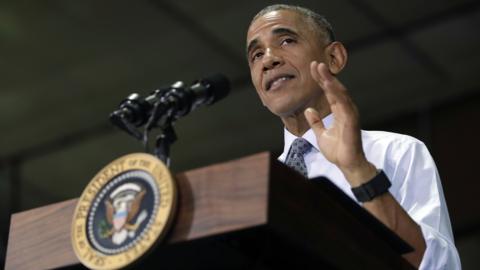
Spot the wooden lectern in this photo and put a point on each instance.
(250, 213)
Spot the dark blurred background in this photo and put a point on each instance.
(65, 65)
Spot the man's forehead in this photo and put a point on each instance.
(273, 19)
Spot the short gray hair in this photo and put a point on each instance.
(318, 21)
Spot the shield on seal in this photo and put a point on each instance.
(119, 219)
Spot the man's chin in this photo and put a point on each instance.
(287, 112)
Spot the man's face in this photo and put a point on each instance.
(280, 47)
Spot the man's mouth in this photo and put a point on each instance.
(277, 81)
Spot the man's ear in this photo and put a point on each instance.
(336, 56)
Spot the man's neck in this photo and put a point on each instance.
(297, 123)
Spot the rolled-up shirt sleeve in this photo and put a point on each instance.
(417, 187)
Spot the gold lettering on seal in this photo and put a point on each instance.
(132, 162)
(82, 212)
(145, 163)
(95, 259)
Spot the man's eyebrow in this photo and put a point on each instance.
(284, 31)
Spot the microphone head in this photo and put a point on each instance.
(218, 86)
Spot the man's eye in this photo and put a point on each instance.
(257, 55)
(288, 41)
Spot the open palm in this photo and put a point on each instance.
(341, 143)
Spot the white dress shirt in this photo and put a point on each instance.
(415, 185)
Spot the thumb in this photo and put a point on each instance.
(314, 120)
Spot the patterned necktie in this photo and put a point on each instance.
(295, 160)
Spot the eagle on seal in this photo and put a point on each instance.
(121, 208)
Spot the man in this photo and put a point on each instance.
(293, 59)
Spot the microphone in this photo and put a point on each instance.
(175, 101)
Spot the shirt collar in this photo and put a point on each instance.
(309, 136)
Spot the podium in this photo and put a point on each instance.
(250, 213)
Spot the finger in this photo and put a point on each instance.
(314, 121)
(325, 75)
(329, 82)
(335, 91)
(314, 72)
(341, 104)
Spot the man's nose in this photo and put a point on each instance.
(271, 60)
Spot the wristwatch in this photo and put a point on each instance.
(373, 188)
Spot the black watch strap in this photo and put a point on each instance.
(373, 188)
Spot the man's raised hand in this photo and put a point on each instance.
(341, 143)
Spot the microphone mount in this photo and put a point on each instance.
(163, 107)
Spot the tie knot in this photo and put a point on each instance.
(300, 146)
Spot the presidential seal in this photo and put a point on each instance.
(124, 211)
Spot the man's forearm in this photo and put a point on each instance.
(388, 210)
(385, 208)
